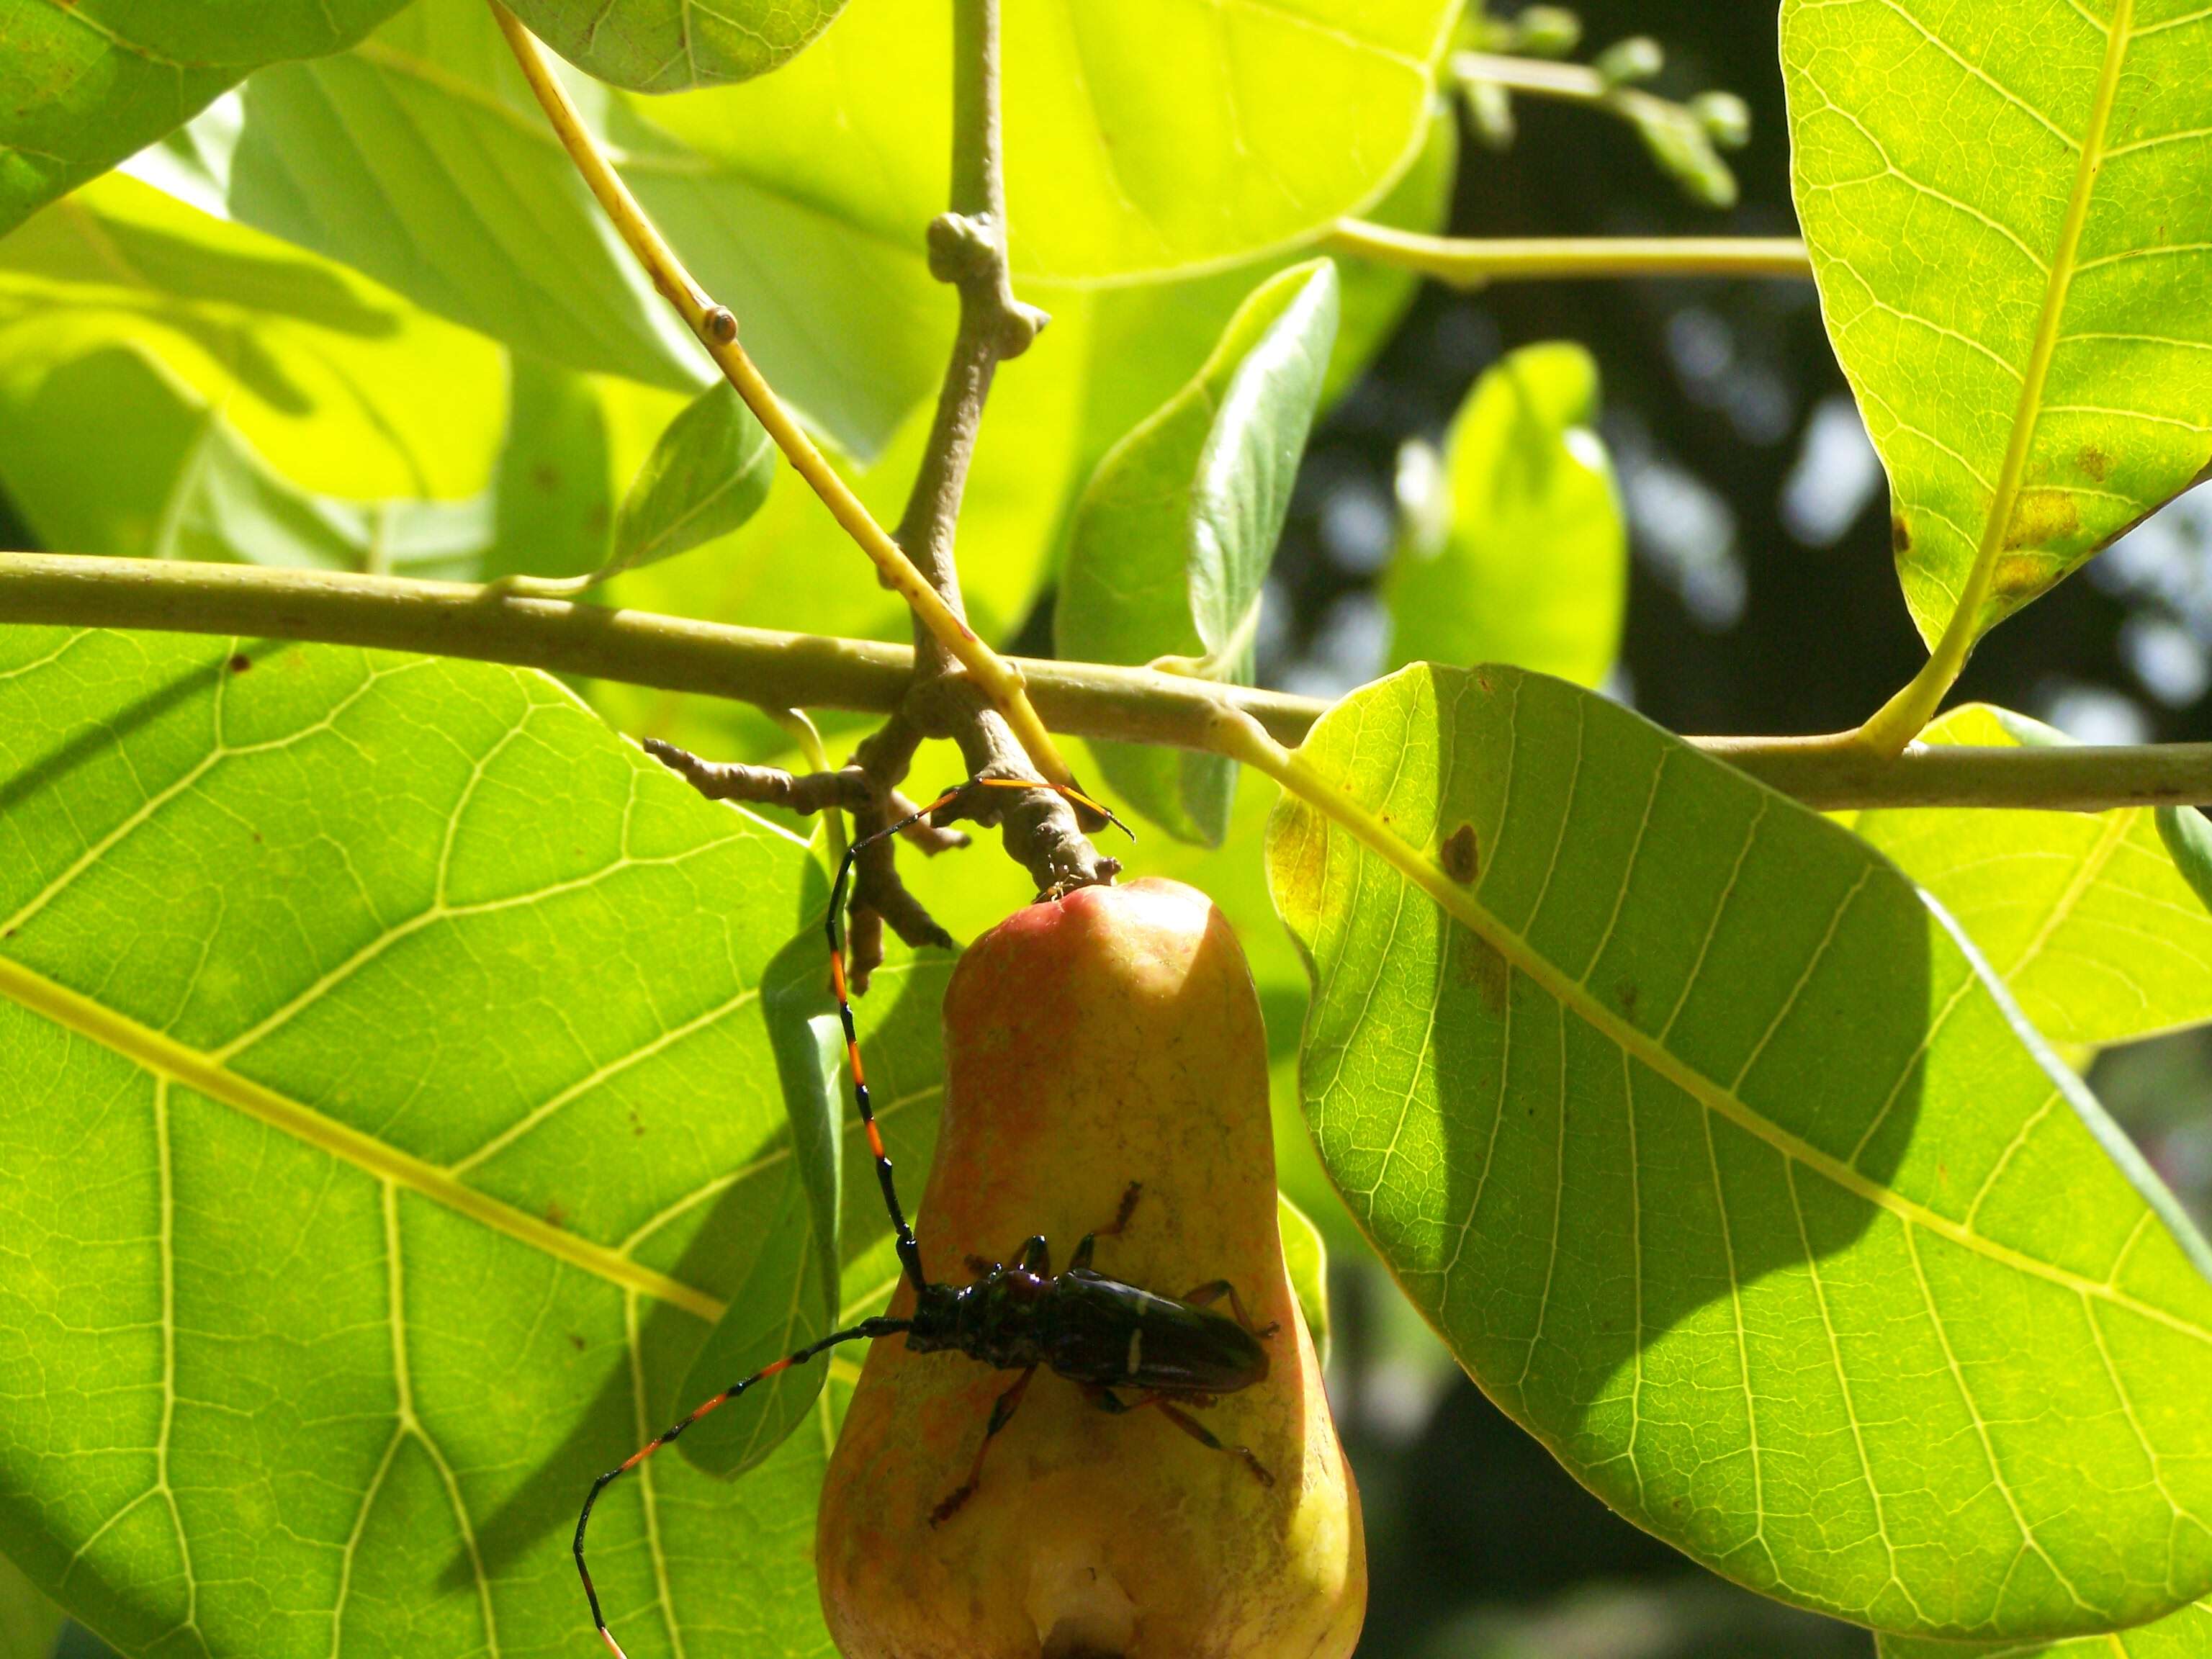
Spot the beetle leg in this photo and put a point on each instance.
(1035, 1256)
(1129, 1196)
(1002, 1412)
(1206, 1436)
(1218, 1289)
(1082, 1256)
(1111, 1403)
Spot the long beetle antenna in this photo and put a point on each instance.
(910, 1249)
(865, 1329)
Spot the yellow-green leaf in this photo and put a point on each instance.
(1142, 137)
(1513, 549)
(2183, 1635)
(1726, 1166)
(2083, 915)
(667, 45)
(1175, 532)
(82, 84)
(2009, 209)
(388, 1116)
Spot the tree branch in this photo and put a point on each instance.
(968, 249)
(1470, 262)
(717, 330)
(1091, 700)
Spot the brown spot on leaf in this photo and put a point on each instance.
(1477, 963)
(1461, 855)
(555, 1214)
(1901, 534)
(1626, 994)
(545, 476)
(577, 1342)
(2094, 462)
(2041, 517)
(240, 662)
(2020, 577)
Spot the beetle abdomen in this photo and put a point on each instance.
(1116, 1335)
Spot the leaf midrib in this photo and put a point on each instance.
(1965, 623)
(1299, 774)
(164, 1057)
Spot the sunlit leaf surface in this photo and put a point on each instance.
(2010, 207)
(709, 473)
(1727, 1168)
(2083, 916)
(420, 158)
(174, 386)
(1142, 135)
(667, 45)
(1174, 533)
(84, 83)
(1514, 550)
(388, 1116)
(2183, 1635)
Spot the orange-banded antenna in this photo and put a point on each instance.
(909, 1248)
(867, 1329)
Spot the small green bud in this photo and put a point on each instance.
(1638, 57)
(1479, 32)
(1547, 31)
(1725, 118)
(1679, 144)
(1490, 112)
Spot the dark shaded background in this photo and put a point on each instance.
(1741, 620)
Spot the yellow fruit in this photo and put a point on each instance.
(1110, 1038)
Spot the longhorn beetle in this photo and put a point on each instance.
(1173, 1352)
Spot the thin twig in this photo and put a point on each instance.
(1471, 262)
(717, 330)
(968, 249)
(766, 786)
(1088, 700)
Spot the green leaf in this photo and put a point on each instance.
(708, 475)
(2083, 916)
(1140, 140)
(1513, 549)
(2010, 207)
(420, 158)
(1174, 536)
(798, 1263)
(554, 496)
(2188, 841)
(792, 567)
(669, 46)
(2183, 1635)
(1725, 1166)
(1306, 1255)
(1149, 338)
(161, 370)
(383, 1036)
(29, 1623)
(83, 84)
